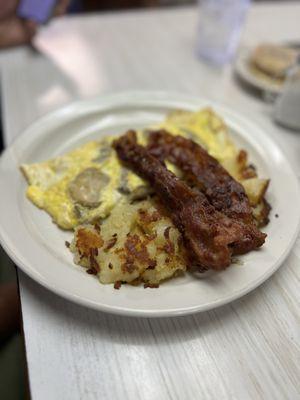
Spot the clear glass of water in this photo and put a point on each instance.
(219, 27)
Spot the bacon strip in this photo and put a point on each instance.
(211, 236)
(204, 172)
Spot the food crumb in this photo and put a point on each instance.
(167, 232)
(152, 264)
(97, 227)
(91, 271)
(117, 285)
(151, 285)
(111, 243)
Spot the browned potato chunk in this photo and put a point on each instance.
(261, 213)
(255, 189)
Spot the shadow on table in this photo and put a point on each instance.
(251, 90)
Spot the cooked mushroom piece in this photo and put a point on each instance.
(86, 187)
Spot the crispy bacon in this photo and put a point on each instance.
(204, 172)
(211, 236)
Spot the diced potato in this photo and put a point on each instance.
(261, 213)
(236, 164)
(232, 166)
(255, 189)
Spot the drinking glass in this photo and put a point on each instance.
(219, 27)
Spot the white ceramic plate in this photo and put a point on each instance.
(37, 245)
(259, 81)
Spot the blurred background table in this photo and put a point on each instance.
(246, 350)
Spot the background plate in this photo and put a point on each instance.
(257, 80)
(37, 245)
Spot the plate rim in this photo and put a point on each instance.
(148, 97)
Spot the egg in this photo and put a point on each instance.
(204, 127)
(80, 186)
(85, 184)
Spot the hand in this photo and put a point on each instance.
(16, 31)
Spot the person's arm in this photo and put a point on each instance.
(19, 20)
(14, 32)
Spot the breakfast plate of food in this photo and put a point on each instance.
(147, 204)
(267, 65)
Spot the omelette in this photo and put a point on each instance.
(85, 184)
(80, 186)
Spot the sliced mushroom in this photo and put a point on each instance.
(104, 152)
(86, 187)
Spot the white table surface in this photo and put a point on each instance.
(246, 350)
